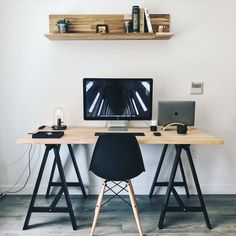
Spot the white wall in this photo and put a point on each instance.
(37, 75)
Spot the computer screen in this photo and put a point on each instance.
(117, 99)
(176, 111)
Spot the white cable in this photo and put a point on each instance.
(27, 167)
(30, 157)
(20, 158)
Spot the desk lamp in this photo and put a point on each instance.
(59, 119)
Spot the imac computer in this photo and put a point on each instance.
(117, 99)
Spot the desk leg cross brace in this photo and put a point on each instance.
(170, 188)
(69, 184)
(156, 183)
(64, 189)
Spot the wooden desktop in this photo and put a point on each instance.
(85, 135)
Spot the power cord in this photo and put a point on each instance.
(30, 157)
(20, 158)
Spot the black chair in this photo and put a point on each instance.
(117, 157)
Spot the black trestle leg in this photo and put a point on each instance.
(183, 175)
(158, 170)
(199, 192)
(64, 186)
(41, 170)
(51, 176)
(77, 170)
(170, 186)
(75, 184)
(56, 199)
(156, 183)
(184, 178)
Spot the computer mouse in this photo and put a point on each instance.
(41, 127)
(157, 133)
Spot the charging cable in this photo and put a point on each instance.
(31, 152)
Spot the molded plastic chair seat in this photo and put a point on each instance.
(117, 157)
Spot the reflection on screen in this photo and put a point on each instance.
(118, 98)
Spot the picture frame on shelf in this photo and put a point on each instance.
(102, 28)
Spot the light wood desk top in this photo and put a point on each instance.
(85, 135)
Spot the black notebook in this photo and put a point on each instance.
(48, 134)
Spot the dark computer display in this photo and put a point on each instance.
(176, 111)
(117, 99)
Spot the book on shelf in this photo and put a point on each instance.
(148, 20)
(135, 19)
(141, 20)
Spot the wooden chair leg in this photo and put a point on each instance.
(98, 207)
(135, 207)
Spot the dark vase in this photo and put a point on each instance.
(63, 28)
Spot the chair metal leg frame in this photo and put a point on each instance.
(182, 207)
(155, 183)
(64, 189)
(132, 200)
(69, 184)
(116, 194)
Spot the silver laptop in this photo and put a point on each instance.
(176, 111)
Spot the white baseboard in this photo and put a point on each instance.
(139, 190)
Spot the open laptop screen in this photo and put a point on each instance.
(176, 111)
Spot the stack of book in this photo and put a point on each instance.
(141, 21)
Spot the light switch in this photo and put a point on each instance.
(196, 87)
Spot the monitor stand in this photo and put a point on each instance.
(118, 126)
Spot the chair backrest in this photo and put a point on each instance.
(117, 157)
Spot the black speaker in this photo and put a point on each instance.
(182, 129)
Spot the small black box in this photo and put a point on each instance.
(153, 128)
(48, 134)
(182, 129)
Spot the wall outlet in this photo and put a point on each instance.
(197, 88)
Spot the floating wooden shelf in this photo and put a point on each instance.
(83, 27)
(109, 36)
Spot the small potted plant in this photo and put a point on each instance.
(63, 25)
